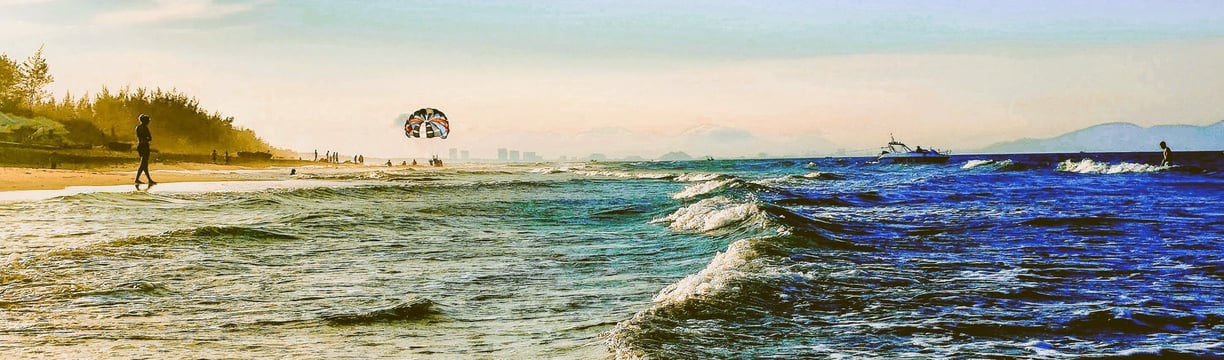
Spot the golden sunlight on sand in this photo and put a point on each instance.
(12, 179)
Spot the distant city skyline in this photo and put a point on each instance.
(645, 78)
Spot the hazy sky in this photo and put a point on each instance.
(569, 78)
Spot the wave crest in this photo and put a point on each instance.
(1088, 166)
(994, 165)
(703, 188)
(626, 174)
(408, 310)
(726, 287)
(694, 177)
(823, 176)
(721, 270)
(713, 214)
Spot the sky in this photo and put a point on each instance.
(643, 78)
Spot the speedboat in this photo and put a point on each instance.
(898, 153)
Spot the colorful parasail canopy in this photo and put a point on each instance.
(432, 120)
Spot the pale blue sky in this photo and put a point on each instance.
(646, 77)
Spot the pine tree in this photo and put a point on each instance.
(35, 75)
(9, 77)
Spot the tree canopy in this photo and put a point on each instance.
(180, 124)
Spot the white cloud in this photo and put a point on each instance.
(171, 10)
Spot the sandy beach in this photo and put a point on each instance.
(19, 179)
(14, 179)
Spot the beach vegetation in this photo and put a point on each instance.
(9, 75)
(33, 77)
(31, 116)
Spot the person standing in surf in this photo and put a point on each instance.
(143, 138)
(1168, 153)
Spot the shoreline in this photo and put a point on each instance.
(23, 178)
(27, 179)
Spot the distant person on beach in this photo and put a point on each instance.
(143, 138)
(214, 156)
(1168, 154)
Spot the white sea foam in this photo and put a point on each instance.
(1002, 276)
(1043, 349)
(1088, 166)
(548, 170)
(699, 189)
(710, 214)
(652, 176)
(776, 181)
(823, 176)
(722, 268)
(975, 163)
(572, 168)
(971, 164)
(716, 277)
(692, 177)
(625, 174)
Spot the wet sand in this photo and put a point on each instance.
(24, 179)
(14, 179)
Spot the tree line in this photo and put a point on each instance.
(34, 116)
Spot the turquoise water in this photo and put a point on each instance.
(1030, 256)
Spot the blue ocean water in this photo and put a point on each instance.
(1001, 256)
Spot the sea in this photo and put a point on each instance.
(1037, 256)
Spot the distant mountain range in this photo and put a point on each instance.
(1120, 137)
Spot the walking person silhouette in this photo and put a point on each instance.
(143, 138)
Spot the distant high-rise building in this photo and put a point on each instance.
(531, 156)
(463, 154)
(454, 153)
(514, 155)
(502, 155)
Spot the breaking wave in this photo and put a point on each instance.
(823, 176)
(693, 177)
(1088, 166)
(713, 214)
(703, 188)
(625, 174)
